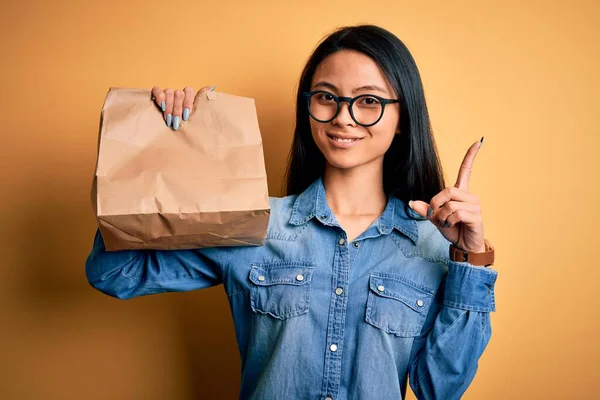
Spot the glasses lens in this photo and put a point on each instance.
(367, 109)
(323, 106)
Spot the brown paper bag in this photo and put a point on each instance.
(202, 186)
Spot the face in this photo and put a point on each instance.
(345, 144)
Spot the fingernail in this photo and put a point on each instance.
(481, 142)
(186, 114)
(410, 204)
(163, 106)
(429, 212)
(169, 119)
(176, 122)
(212, 88)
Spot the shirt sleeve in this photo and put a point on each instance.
(130, 273)
(445, 356)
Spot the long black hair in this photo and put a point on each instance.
(411, 167)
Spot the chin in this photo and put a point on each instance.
(344, 161)
(343, 165)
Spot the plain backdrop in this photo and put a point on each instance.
(522, 74)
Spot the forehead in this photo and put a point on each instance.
(348, 69)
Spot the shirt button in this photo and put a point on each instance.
(420, 303)
(381, 288)
(333, 347)
(342, 241)
(339, 291)
(356, 244)
(300, 277)
(261, 278)
(328, 398)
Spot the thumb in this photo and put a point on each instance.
(420, 207)
(205, 89)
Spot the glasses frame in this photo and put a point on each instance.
(350, 101)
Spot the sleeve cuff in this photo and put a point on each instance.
(469, 287)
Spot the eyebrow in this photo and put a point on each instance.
(358, 89)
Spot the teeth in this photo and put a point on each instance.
(337, 139)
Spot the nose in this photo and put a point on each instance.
(343, 117)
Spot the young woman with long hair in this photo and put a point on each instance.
(372, 271)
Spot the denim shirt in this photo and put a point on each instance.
(318, 317)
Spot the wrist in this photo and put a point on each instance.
(483, 257)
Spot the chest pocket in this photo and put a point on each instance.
(397, 305)
(280, 290)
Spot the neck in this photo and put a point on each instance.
(356, 191)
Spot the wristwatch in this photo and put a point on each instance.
(485, 258)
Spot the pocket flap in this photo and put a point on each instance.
(292, 274)
(415, 296)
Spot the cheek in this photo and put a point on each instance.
(316, 130)
(313, 127)
(391, 119)
(383, 133)
(383, 137)
(385, 129)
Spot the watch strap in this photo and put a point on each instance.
(485, 258)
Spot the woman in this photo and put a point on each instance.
(352, 291)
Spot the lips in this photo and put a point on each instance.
(343, 141)
(343, 138)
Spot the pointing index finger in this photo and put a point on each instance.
(464, 174)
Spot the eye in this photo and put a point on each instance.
(325, 97)
(369, 101)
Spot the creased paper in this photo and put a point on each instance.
(204, 185)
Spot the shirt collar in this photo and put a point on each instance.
(312, 203)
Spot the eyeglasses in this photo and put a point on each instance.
(324, 106)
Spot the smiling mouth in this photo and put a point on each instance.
(343, 140)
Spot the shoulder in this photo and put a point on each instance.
(279, 204)
(431, 245)
(281, 207)
(426, 240)
(280, 214)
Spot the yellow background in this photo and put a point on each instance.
(523, 74)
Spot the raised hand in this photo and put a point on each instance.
(176, 104)
(455, 211)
